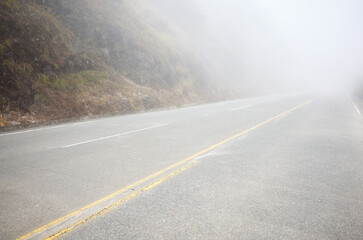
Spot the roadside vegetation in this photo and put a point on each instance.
(74, 58)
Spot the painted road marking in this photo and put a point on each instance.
(44, 128)
(278, 119)
(116, 135)
(125, 199)
(31, 130)
(355, 106)
(188, 159)
(237, 108)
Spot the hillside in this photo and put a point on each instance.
(73, 58)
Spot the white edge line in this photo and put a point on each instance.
(116, 135)
(355, 106)
(44, 128)
(31, 130)
(233, 109)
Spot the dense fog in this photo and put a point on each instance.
(279, 45)
(75, 58)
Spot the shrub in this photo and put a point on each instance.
(60, 85)
(10, 4)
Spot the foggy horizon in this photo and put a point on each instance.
(288, 45)
(181, 119)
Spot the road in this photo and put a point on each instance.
(275, 167)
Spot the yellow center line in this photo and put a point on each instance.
(159, 172)
(125, 199)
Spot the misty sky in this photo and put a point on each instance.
(305, 42)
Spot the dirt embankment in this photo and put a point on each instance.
(75, 58)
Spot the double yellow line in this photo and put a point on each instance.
(157, 182)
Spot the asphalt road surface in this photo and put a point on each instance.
(277, 167)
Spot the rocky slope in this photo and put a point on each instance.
(71, 58)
